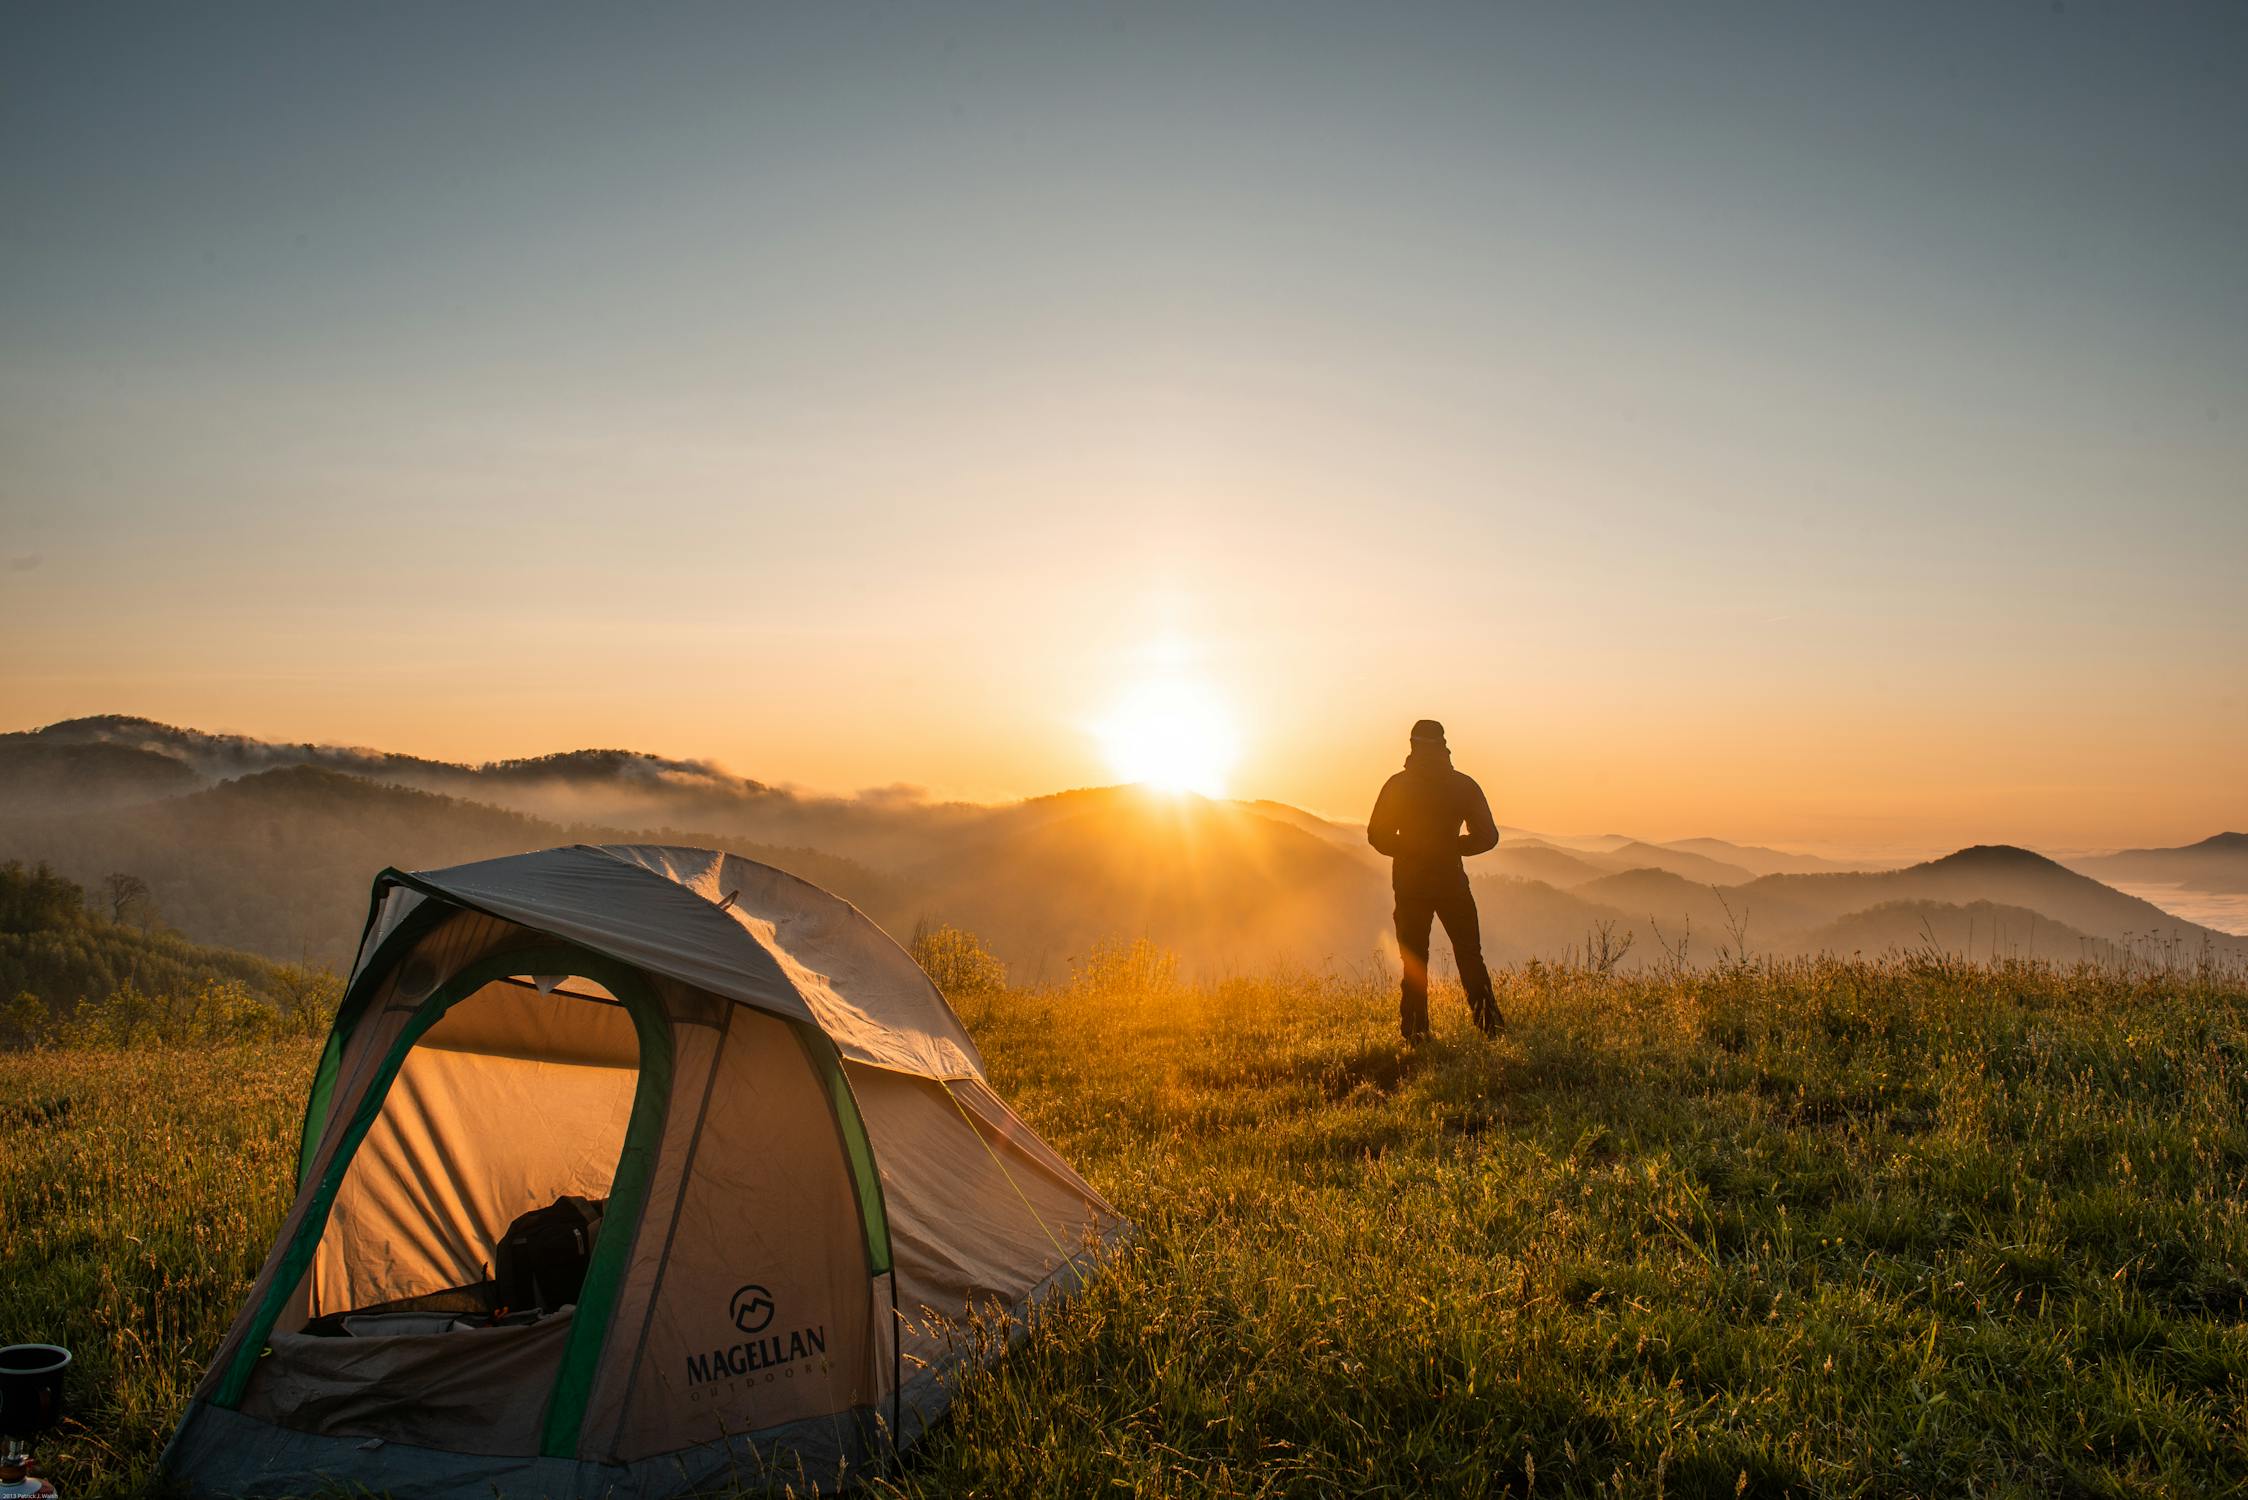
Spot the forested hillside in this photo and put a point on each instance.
(60, 951)
(280, 862)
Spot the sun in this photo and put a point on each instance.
(1172, 733)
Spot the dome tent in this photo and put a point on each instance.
(805, 1183)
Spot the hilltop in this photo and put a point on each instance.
(605, 788)
(39, 777)
(2218, 864)
(2000, 873)
(1046, 879)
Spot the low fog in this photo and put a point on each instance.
(270, 848)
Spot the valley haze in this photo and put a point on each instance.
(267, 847)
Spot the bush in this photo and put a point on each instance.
(306, 998)
(955, 960)
(221, 1010)
(23, 1020)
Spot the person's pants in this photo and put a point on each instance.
(1456, 908)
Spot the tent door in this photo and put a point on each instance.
(627, 1193)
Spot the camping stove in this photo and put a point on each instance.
(17, 1479)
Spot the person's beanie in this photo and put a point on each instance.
(1429, 729)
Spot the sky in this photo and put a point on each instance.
(1820, 424)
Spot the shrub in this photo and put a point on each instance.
(218, 1010)
(306, 998)
(956, 960)
(23, 1020)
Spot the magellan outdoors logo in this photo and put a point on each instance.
(753, 1308)
(776, 1356)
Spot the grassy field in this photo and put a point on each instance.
(1838, 1229)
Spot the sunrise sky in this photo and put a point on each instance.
(1815, 424)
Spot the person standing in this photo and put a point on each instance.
(1428, 819)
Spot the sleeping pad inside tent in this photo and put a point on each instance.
(630, 1170)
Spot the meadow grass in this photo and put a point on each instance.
(1906, 1228)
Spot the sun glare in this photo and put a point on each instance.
(1174, 734)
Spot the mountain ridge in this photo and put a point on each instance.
(276, 860)
(2217, 864)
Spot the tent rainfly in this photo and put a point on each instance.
(790, 1186)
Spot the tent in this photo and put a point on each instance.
(808, 1194)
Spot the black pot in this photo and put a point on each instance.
(31, 1387)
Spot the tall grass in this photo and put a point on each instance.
(1917, 1228)
(1905, 1228)
(139, 1191)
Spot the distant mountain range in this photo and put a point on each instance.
(1535, 859)
(2218, 864)
(1759, 861)
(270, 848)
(1988, 901)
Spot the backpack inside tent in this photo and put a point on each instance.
(630, 1170)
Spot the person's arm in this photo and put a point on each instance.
(1381, 828)
(1482, 829)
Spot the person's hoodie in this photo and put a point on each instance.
(1418, 820)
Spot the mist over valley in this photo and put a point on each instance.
(268, 847)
